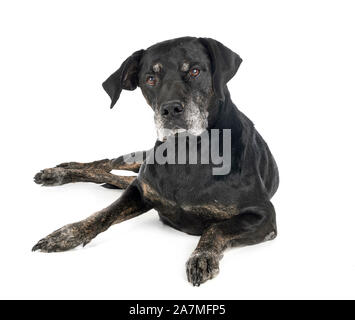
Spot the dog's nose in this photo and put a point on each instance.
(171, 109)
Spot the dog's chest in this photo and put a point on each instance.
(188, 202)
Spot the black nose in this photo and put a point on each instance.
(171, 109)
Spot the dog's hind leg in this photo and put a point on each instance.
(129, 205)
(130, 162)
(59, 176)
(251, 226)
(96, 172)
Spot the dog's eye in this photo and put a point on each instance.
(151, 80)
(194, 72)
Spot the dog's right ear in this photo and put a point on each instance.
(126, 77)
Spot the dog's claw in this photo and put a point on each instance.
(39, 245)
(86, 242)
(202, 266)
(36, 247)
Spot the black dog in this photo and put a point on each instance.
(184, 81)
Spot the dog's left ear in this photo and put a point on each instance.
(224, 63)
(126, 77)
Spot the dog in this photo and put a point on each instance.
(184, 81)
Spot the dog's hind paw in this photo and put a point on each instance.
(66, 238)
(202, 266)
(52, 177)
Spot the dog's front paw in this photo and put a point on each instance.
(202, 266)
(52, 177)
(66, 238)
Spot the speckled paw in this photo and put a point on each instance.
(52, 177)
(202, 266)
(66, 238)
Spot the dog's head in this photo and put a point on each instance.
(181, 79)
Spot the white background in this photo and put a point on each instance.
(297, 85)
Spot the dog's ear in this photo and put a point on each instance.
(126, 77)
(224, 63)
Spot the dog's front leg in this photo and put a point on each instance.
(251, 226)
(129, 205)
